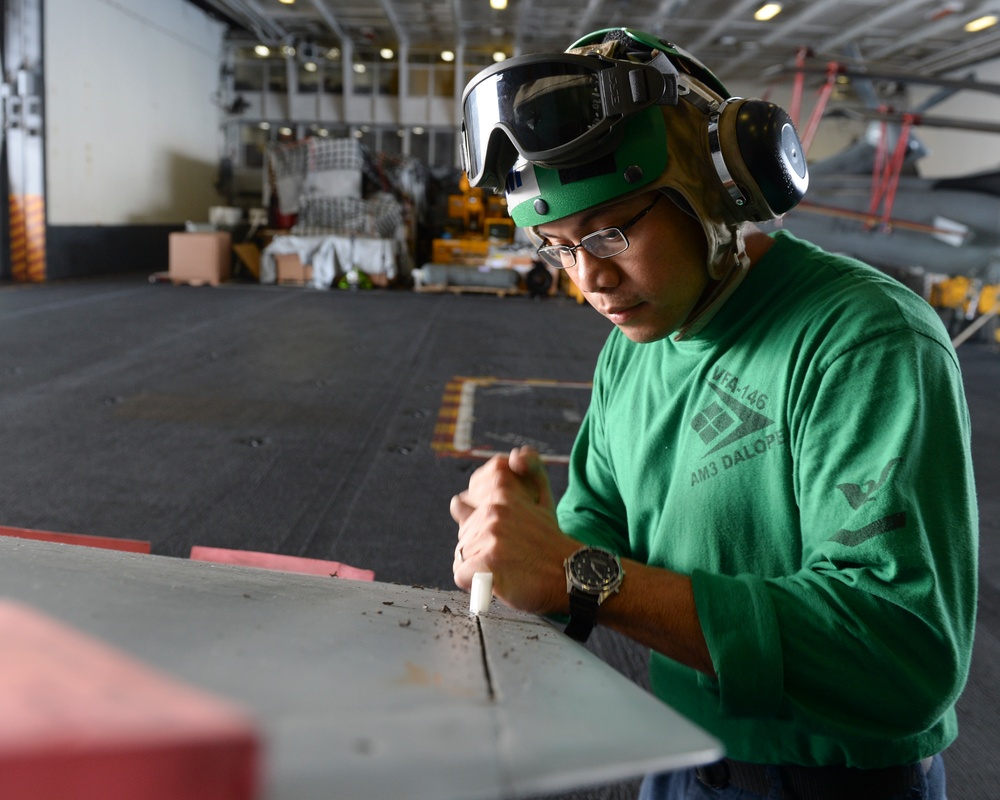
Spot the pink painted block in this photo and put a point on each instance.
(80, 719)
(309, 566)
(105, 542)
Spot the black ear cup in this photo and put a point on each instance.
(765, 169)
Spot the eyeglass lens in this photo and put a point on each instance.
(604, 243)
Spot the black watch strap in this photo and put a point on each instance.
(582, 615)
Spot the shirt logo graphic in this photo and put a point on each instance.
(893, 522)
(859, 494)
(714, 421)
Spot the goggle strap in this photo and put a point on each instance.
(666, 68)
(646, 87)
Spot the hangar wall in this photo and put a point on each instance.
(132, 134)
(956, 152)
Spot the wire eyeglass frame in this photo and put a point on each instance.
(605, 243)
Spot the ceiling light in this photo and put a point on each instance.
(499, 56)
(310, 66)
(447, 55)
(498, 5)
(418, 130)
(333, 53)
(767, 11)
(982, 23)
(287, 2)
(359, 68)
(386, 53)
(262, 50)
(287, 50)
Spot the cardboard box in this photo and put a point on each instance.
(200, 258)
(290, 269)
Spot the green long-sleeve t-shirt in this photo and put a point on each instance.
(805, 458)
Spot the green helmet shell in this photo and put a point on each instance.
(536, 195)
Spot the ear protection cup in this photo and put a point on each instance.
(758, 158)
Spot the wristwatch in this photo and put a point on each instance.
(592, 574)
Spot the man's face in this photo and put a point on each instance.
(651, 288)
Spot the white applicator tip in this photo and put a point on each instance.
(481, 593)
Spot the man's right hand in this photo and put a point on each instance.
(507, 526)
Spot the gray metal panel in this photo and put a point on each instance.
(366, 690)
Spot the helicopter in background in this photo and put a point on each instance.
(940, 236)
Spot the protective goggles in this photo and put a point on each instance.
(556, 110)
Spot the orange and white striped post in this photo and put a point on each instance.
(24, 139)
(27, 237)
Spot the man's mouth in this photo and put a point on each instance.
(621, 313)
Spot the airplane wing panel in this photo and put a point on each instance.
(566, 719)
(366, 689)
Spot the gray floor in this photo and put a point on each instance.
(300, 422)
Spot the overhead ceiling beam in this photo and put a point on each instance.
(331, 20)
(254, 7)
(868, 24)
(402, 35)
(667, 9)
(948, 23)
(782, 31)
(986, 48)
(525, 10)
(902, 77)
(709, 36)
(584, 26)
(662, 20)
(920, 119)
(456, 11)
(220, 11)
(265, 28)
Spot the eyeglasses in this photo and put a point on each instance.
(604, 243)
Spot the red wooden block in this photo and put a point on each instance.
(105, 542)
(309, 566)
(79, 719)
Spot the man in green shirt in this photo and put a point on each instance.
(772, 488)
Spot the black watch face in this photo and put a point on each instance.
(594, 569)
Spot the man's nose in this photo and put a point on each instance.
(593, 273)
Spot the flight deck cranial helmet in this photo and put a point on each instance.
(623, 112)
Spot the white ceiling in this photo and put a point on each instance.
(913, 36)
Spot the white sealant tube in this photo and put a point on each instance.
(481, 593)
